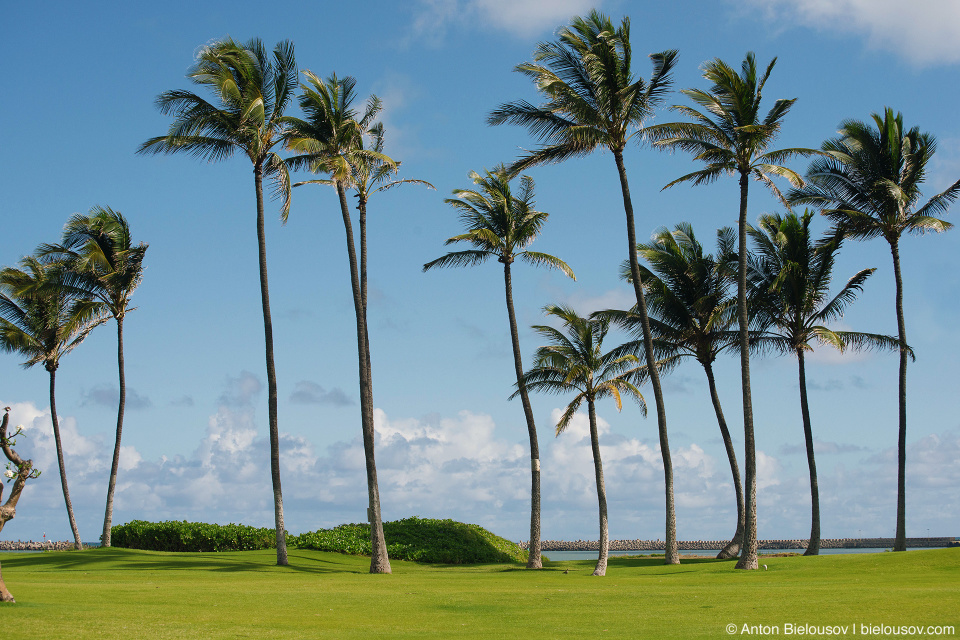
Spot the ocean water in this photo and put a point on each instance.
(706, 553)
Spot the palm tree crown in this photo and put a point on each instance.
(39, 317)
(727, 133)
(869, 181)
(253, 92)
(593, 98)
(500, 224)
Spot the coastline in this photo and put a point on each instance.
(704, 545)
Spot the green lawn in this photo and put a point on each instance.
(117, 593)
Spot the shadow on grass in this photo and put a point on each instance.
(112, 559)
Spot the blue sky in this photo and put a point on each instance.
(450, 444)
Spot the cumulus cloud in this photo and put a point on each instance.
(925, 33)
(241, 391)
(108, 395)
(469, 468)
(521, 18)
(821, 448)
(306, 392)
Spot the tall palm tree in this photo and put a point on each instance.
(728, 135)
(104, 263)
(501, 225)
(869, 185)
(594, 102)
(251, 93)
(22, 471)
(692, 315)
(43, 320)
(330, 140)
(574, 362)
(790, 285)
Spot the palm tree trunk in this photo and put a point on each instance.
(379, 561)
(900, 544)
(601, 568)
(670, 553)
(813, 547)
(112, 484)
(748, 554)
(733, 547)
(271, 374)
(533, 559)
(52, 369)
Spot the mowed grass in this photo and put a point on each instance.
(118, 593)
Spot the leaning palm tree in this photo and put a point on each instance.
(789, 278)
(330, 140)
(251, 93)
(730, 137)
(594, 102)
(500, 225)
(103, 262)
(692, 315)
(43, 320)
(574, 361)
(869, 185)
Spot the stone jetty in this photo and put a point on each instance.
(707, 545)
(29, 545)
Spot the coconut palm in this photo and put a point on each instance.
(330, 140)
(574, 362)
(43, 320)
(104, 263)
(869, 185)
(594, 102)
(501, 225)
(18, 470)
(251, 93)
(692, 315)
(790, 285)
(730, 137)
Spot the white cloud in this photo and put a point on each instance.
(468, 468)
(924, 32)
(521, 18)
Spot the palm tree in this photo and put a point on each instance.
(575, 362)
(500, 225)
(692, 315)
(594, 102)
(869, 185)
(43, 320)
(22, 471)
(103, 262)
(251, 92)
(731, 139)
(790, 285)
(330, 140)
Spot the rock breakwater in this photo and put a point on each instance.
(708, 545)
(29, 545)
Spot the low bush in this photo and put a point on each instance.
(420, 540)
(191, 536)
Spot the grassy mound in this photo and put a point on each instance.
(418, 539)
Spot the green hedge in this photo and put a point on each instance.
(420, 540)
(191, 536)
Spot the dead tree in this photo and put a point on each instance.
(18, 470)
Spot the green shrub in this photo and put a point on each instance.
(191, 536)
(418, 539)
